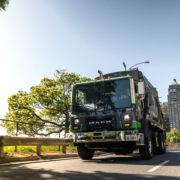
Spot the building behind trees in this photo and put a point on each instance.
(165, 111)
(174, 105)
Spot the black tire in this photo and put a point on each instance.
(130, 152)
(122, 152)
(164, 150)
(146, 151)
(161, 142)
(117, 153)
(155, 149)
(84, 153)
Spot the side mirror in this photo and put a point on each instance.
(141, 89)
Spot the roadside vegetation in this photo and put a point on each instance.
(173, 136)
(45, 109)
(4, 4)
(34, 148)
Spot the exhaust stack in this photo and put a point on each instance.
(101, 74)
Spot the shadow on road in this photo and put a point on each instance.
(114, 159)
(25, 171)
(135, 159)
(29, 174)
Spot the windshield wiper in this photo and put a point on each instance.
(84, 108)
(86, 111)
(112, 106)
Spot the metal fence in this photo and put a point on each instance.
(33, 141)
(21, 122)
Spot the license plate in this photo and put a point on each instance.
(131, 137)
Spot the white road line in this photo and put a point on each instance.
(156, 167)
(174, 151)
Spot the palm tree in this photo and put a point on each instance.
(3, 4)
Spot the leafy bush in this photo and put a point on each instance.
(34, 148)
(173, 136)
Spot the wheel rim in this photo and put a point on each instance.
(163, 147)
(162, 144)
(150, 144)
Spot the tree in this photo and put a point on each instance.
(47, 106)
(3, 4)
(173, 135)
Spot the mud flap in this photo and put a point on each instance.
(144, 127)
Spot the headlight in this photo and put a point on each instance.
(76, 121)
(126, 117)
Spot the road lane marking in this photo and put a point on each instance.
(158, 166)
(174, 151)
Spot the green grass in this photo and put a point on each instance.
(34, 148)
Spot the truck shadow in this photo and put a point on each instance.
(29, 174)
(111, 158)
(135, 159)
(26, 171)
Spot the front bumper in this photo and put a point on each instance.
(109, 136)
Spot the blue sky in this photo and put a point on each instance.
(38, 37)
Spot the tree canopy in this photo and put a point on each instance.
(47, 106)
(3, 4)
(173, 135)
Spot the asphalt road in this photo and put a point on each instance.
(104, 167)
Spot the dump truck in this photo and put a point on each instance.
(117, 112)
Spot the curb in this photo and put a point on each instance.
(42, 157)
(15, 159)
(59, 156)
(32, 158)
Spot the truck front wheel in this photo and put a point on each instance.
(146, 151)
(84, 153)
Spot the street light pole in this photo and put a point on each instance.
(159, 98)
(17, 129)
(138, 64)
(124, 65)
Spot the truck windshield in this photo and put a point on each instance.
(103, 95)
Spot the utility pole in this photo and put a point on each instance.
(17, 129)
(124, 64)
(138, 64)
(59, 137)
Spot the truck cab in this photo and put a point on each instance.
(117, 112)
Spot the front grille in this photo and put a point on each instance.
(110, 137)
(111, 145)
(85, 138)
(105, 123)
(97, 137)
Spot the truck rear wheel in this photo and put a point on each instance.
(164, 138)
(117, 153)
(162, 145)
(130, 152)
(146, 151)
(84, 153)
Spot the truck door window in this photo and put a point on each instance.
(80, 98)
